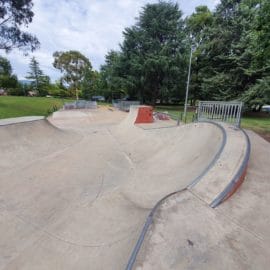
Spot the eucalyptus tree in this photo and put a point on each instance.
(14, 16)
(74, 67)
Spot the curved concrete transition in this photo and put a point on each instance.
(76, 189)
(187, 233)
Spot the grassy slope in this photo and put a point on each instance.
(175, 112)
(11, 106)
(257, 124)
(261, 125)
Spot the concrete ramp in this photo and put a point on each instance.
(82, 198)
(131, 117)
(171, 147)
(24, 140)
(87, 120)
(188, 234)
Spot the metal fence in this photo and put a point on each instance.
(124, 105)
(80, 104)
(220, 111)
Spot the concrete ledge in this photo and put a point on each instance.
(223, 176)
(238, 178)
(16, 120)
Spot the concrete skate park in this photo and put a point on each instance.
(93, 189)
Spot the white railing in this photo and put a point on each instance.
(220, 111)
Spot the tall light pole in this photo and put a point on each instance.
(188, 80)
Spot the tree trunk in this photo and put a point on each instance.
(154, 96)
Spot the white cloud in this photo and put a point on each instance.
(92, 27)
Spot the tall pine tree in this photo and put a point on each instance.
(152, 63)
(40, 82)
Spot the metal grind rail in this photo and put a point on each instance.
(229, 112)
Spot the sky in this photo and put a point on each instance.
(92, 27)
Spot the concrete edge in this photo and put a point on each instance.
(20, 120)
(147, 224)
(172, 126)
(149, 220)
(237, 179)
(30, 120)
(216, 157)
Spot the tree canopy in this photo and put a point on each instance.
(7, 79)
(74, 67)
(111, 76)
(231, 58)
(14, 15)
(152, 62)
(40, 82)
(90, 84)
(230, 61)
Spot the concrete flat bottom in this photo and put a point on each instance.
(75, 192)
(76, 196)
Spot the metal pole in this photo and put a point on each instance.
(188, 80)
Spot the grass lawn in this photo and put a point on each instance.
(258, 124)
(175, 112)
(12, 106)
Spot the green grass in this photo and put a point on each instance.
(175, 112)
(12, 106)
(261, 125)
(256, 124)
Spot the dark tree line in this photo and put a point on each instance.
(37, 82)
(230, 59)
(7, 79)
(231, 55)
(151, 64)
